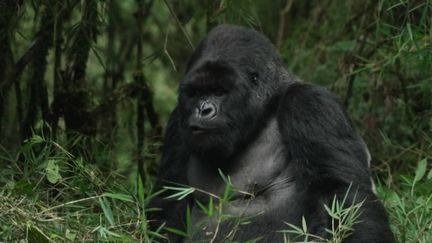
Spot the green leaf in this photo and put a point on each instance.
(70, 235)
(410, 31)
(107, 210)
(202, 207)
(36, 235)
(189, 225)
(52, 171)
(35, 139)
(119, 196)
(182, 192)
(211, 207)
(24, 187)
(429, 175)
(344, 46)
(208, 210)
(99, 58)
(421, 170)
(304, 225)
(176, 231)
(29, 143)
(140, 190)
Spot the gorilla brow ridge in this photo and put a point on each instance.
(212, 74)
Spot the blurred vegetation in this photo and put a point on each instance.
(86, 88)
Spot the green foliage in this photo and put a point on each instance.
(214, 210)
(50, 196)
(60, 182)
(343, 217)
(52, 171)
(409, 205)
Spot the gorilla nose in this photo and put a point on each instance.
(207, 110)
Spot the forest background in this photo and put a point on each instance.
(86, 88)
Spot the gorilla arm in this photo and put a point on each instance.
(328, 157)
(172, 170)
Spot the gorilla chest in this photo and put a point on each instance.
(261, 176)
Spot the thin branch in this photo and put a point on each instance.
(167, 53)
(282, 23)
(353, 67)
(180, 25)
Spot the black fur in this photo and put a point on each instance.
(288, 143)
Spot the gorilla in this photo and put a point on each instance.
(287, 147)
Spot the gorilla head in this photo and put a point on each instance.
(229, 85)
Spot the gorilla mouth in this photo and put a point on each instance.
(198, 129)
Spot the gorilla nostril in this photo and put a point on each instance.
(208, 110)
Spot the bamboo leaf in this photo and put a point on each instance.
(107, 210)
(52, 171)
(421, 170)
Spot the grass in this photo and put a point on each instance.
(48, 195)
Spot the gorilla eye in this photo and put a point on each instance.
(219, 91)
(253, 77)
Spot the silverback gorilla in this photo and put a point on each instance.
(288, 147)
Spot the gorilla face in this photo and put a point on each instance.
(230, 80)
(215, 104)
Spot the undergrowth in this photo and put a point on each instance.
(49, 195)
